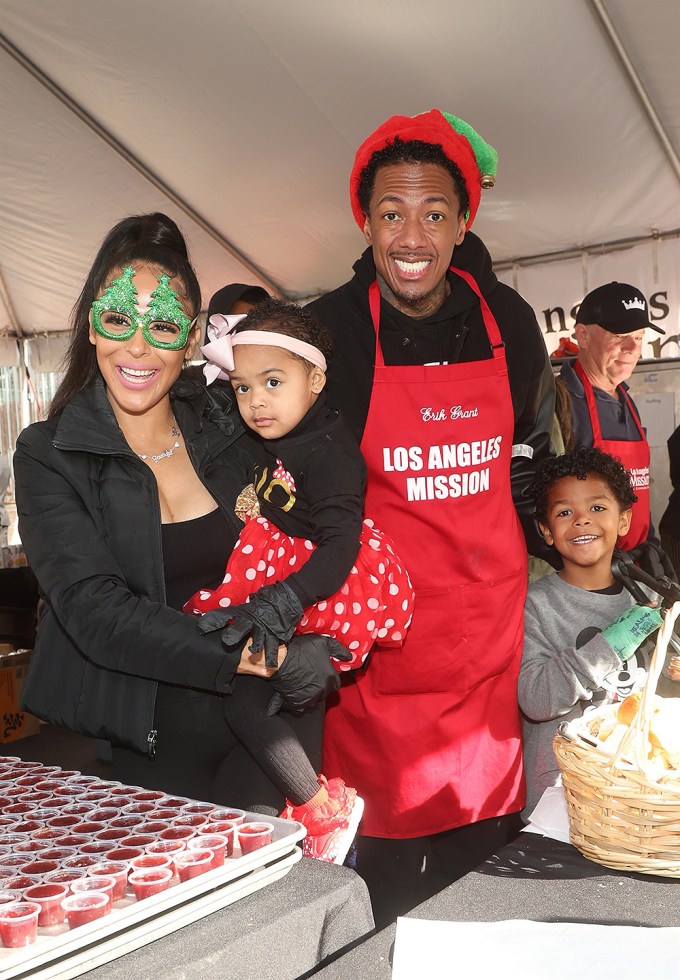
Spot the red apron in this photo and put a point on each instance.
(430, 733)
(633, 455)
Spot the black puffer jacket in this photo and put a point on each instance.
(455, 333)
(89, 519)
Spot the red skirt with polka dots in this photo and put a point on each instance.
(375, 602)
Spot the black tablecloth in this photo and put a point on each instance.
(278, 933)
(533, 878)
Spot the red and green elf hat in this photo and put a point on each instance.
(475, 158)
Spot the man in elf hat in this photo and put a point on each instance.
(443, 374)
(610, 329)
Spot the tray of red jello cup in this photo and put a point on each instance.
(88, 861)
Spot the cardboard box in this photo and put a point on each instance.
(14, 723)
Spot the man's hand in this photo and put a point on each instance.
(306, 675)
(269, 618)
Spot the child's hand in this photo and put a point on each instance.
(627, 632)
(269, 617)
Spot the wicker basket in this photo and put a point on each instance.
(620, 815)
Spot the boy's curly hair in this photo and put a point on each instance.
(581, 463)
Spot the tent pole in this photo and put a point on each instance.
(598, 8)
(9, 306)
(578, 252)
(136, 163)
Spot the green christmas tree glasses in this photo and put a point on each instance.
(116, 316)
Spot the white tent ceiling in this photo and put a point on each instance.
(240, 119)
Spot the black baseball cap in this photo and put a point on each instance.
(616, 307)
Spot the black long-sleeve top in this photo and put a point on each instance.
(327, 504)
(454, 333)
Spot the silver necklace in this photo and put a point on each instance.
(174, 432)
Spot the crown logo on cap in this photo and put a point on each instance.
(634, 304)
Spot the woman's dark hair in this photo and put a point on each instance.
(291, 321)
(150, 239)
(409, 151)
(581, 463)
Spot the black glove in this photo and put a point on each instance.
(307, 675)
(269, 618)
(653, 560)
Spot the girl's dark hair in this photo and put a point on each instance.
(291, 321)
(410, 151)
(581, 463)
(150, 239)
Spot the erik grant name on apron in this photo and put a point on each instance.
(634, 456)
(430, 733)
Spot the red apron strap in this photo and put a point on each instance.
(590, 402)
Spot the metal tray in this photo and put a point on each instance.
(61, 952)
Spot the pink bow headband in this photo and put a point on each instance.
(219, 352)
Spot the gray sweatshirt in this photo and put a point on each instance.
(564, 666)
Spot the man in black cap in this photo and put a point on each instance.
(610, 329)
(237, 297)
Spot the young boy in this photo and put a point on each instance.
(582, 627)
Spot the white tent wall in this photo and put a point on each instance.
(241, 119)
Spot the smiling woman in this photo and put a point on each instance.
(126, 498)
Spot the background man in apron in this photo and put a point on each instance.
(443, 375)
(610, 328)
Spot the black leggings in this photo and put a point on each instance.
(199, 755)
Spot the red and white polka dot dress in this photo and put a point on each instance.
(375, 602)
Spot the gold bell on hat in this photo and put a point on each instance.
(487, 181)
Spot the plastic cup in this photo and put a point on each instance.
(56, 853)
(85, 907)
(146, 861)
(196, 820)
(211, 842)
(169, 847)
(162, 813)
(65, 876)
(49, 897)
(138, 840)
(69, 773)
(19, 808)
(20, 882)
(149, 795)
(74, 840)
(89, 827)
(63, 820)
(39, 868)
(98, 883)
(19, 923)
(198, 807)
(26, 826)
(112, 834)
(103, 813)
(177, 833)
(49, 835)
(14, 860)
(150, 881)
(118, 870)
(139, 808)
(252, 836)
(96, 847)
(26, 847)
(69, 791)
(228, 813)
(81, 860)
(190, 864)
(8, 895)
(155, 826)
(176, 802)
(78, 808)
(123, 854)
(93, 795)
(128, 821)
